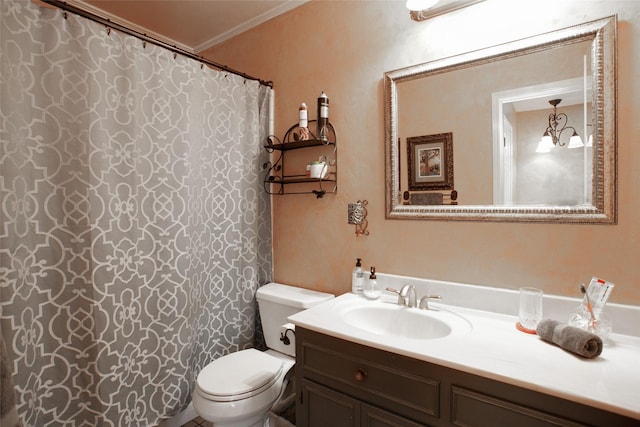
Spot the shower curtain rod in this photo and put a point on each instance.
(108, 23)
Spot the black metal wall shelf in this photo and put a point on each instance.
(276, 181)
(296, 145)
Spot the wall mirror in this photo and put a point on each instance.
(495, 105)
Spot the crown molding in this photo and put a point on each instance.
(254, 22)
(125, 23)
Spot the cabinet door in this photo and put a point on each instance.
(376, 417)
(324, 407)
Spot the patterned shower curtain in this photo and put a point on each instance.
(134, 229)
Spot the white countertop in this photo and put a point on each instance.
(495, 349)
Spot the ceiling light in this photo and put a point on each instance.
(417, 5)
(421, 10)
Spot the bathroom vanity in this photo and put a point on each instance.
(341, 383)
(490, 374)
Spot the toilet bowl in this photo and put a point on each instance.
(239, 389)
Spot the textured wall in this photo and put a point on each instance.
(343, 48)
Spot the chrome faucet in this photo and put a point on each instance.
(406, 295)
(424, 301)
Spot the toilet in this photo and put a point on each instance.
(239, 389)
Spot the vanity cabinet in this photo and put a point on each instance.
(341, 383)
(290, 177)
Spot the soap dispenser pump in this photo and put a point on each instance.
(371, 288)
(357, 278)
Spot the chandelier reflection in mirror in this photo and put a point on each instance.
(557, 125)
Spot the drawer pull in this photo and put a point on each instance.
(360, 375)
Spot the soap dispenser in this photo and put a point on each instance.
(371, 288)
(357, 278)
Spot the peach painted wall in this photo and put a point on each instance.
(343, 48)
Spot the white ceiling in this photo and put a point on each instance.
(192, 25)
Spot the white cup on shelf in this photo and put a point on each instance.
(318, 170)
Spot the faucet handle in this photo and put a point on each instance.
(397, 292)
(424, 301)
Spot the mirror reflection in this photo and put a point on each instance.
(542, 135)
(526, 139)
(504, 168)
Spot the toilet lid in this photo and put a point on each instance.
(239, 375)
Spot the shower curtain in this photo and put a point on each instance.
(134, 229)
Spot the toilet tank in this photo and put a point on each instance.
(276, 302)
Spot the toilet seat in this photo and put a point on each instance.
(239, 375)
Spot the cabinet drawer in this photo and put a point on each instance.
(473, 409)
(372, 376)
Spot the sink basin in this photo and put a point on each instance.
(398, 321)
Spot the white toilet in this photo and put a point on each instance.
(239, 389)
